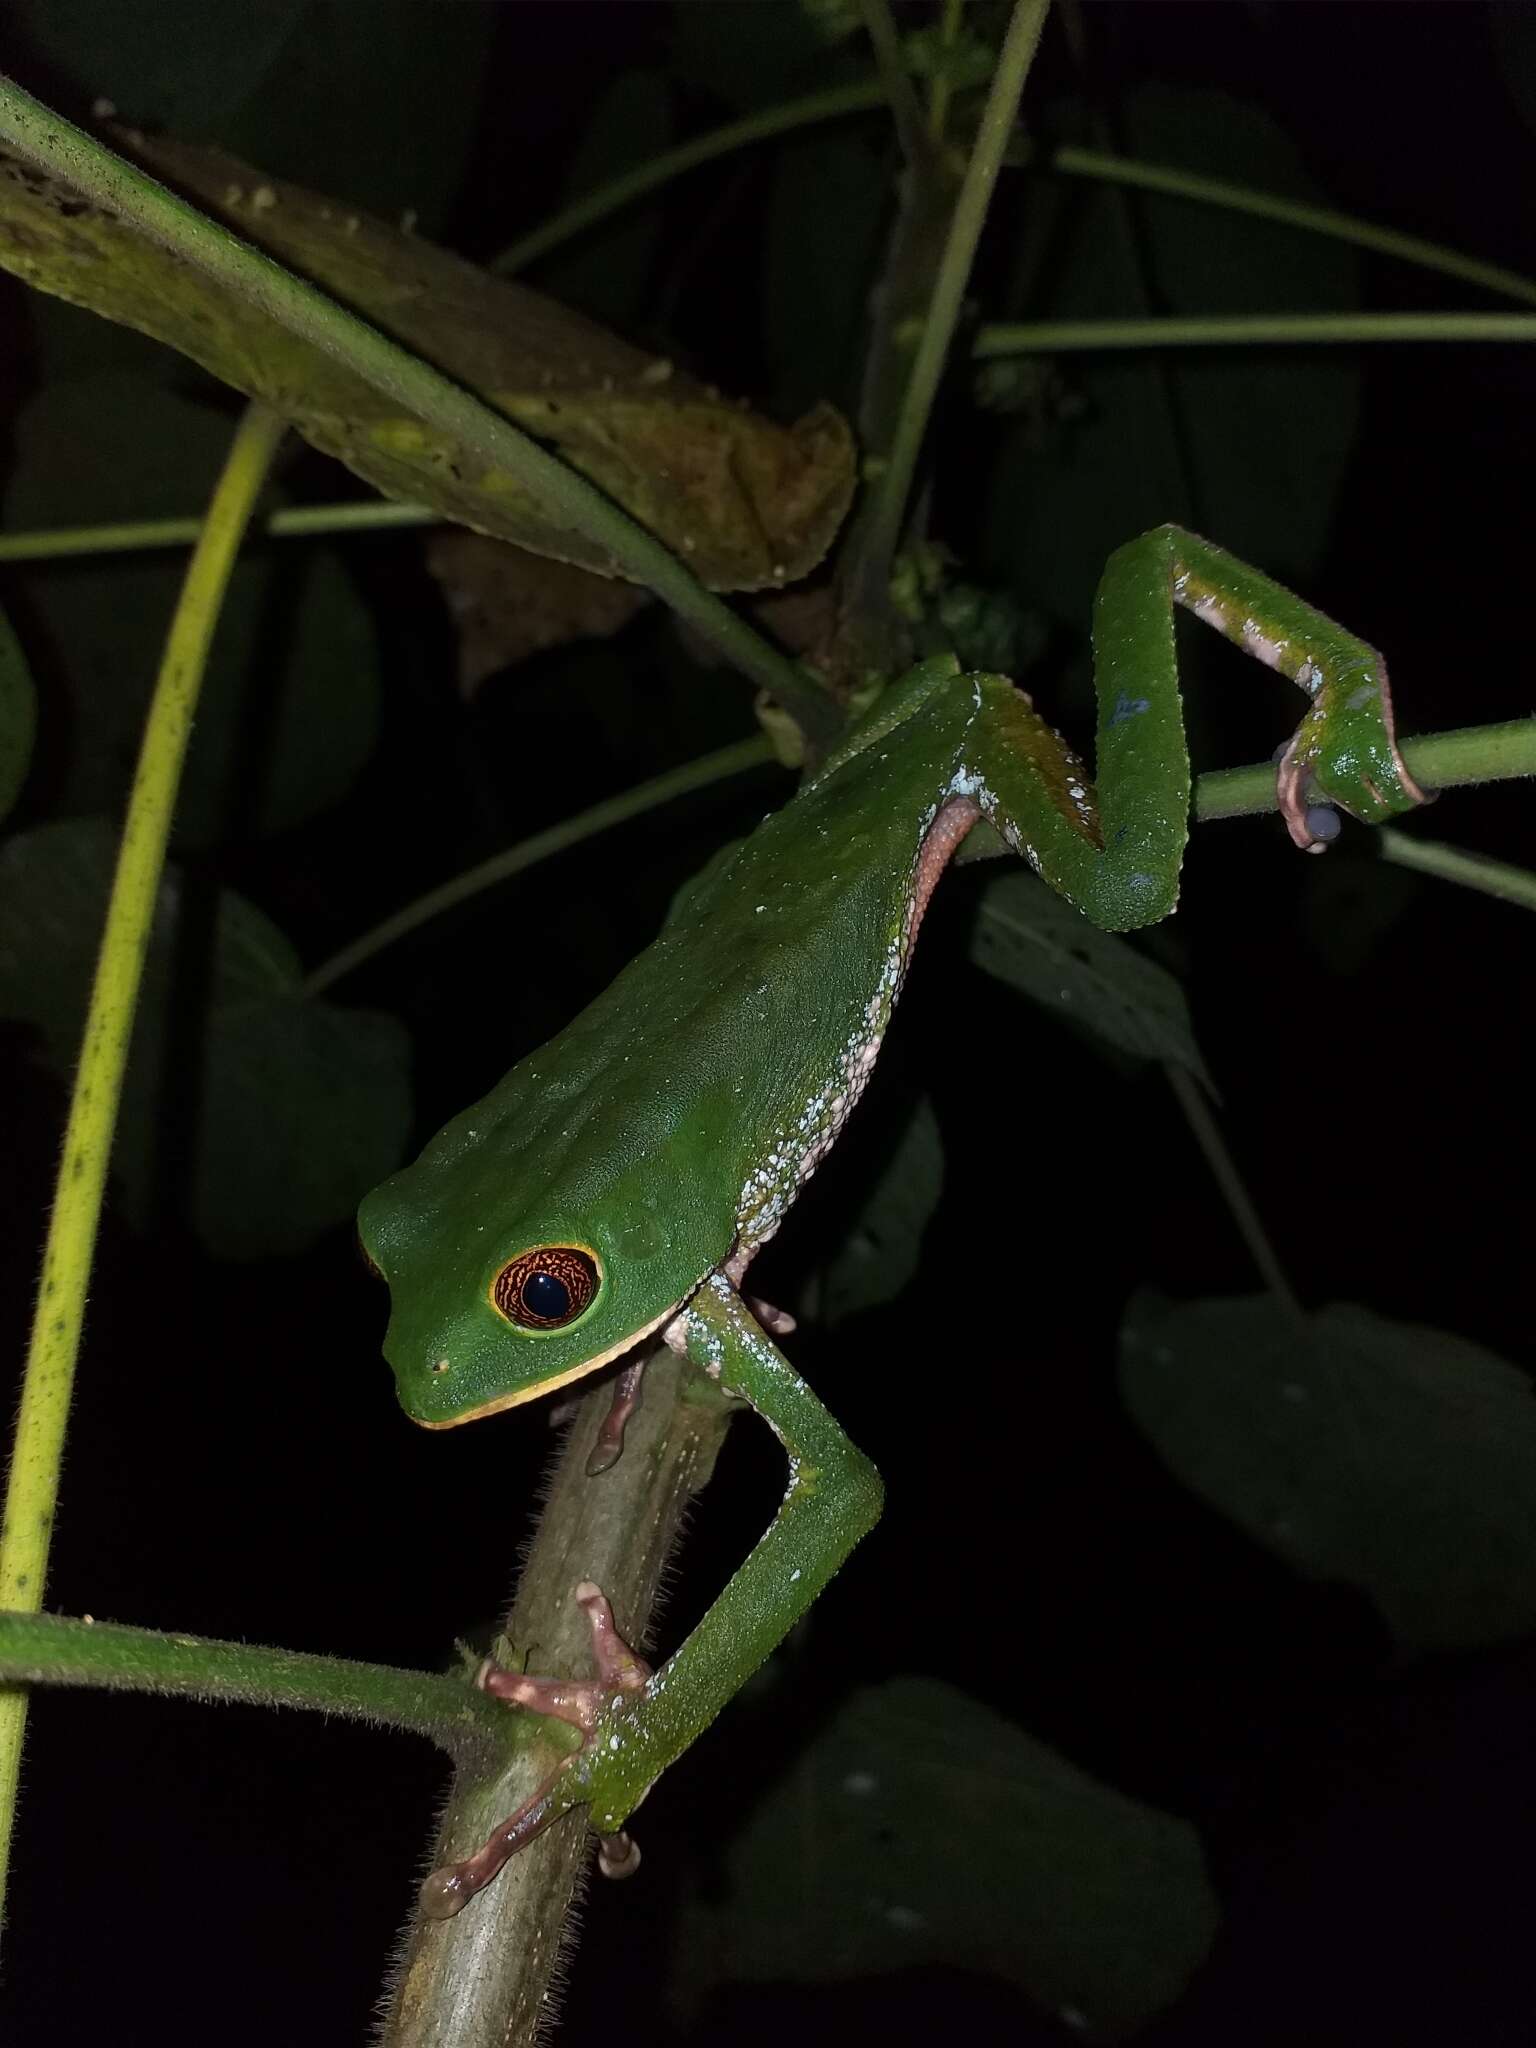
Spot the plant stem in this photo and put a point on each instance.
(659, 170)
(50, 1649)
(1441, 760)
(939, 90)
(1209, 1137)
(32, 1492)
(356, 515)
(615, 810)
(1477, 754)
(1452, 864)
(1057, 337)
(900, 93)
(69, 153)
(1066, 161)
(484, 1979)
(1314, 220)
(893, 484)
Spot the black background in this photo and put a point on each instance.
(237, 1465)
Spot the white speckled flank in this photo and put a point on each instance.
(1259, 644)
(798, 1147)
(800, 1144)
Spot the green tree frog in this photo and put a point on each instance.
(619, 1181)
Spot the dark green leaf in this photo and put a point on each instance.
(284, 77)
(606, 271)
(751, 503)
(1028, 937)
(880, 1252)
(921, 1827)
(819, 260)
(754, 56)
(1245, 444)
(1399, 1459)
(296, 1108)
(18, 716)
(290, 703)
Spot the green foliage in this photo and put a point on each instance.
(1384, 1456)
(259, 1115)
(1397, 1459)
(18, 716)
(290, 704)
(919, 1826)
(606, 273)
(1182, 437)
(882, 1250)
(283, 80)
(1094, 982)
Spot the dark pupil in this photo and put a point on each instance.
(546, 1297)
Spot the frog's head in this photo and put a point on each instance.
(506, 1282)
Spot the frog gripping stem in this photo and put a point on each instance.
(579, 1702)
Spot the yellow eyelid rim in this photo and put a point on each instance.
(589, 1251)
(522, 1394)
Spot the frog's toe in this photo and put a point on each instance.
(587, 1704)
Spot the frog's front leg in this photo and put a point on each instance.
(635, 1722)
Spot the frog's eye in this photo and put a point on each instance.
(546, 1288)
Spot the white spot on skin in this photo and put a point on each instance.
(859, 1784)
(1261, 646)
(1211, 610)
(794, 1575)
(1358, 699)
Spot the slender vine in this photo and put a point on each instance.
(33, 1485)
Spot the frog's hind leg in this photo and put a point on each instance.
(1113, 847)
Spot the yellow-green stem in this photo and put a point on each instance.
(32, 1490)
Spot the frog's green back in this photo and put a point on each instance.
(687, 1101)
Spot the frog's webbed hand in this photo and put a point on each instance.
(635, 1722)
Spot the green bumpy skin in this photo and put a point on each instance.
(664, 1133)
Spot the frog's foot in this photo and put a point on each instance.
(582, 1703)
(608, 1447)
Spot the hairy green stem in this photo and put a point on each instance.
(486, 1979)
(616, 810)
(32, 1489)
(77, 158)
(892, 486)
(50, 1649)
(1056, 337)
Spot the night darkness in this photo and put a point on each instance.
(237, 1465)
